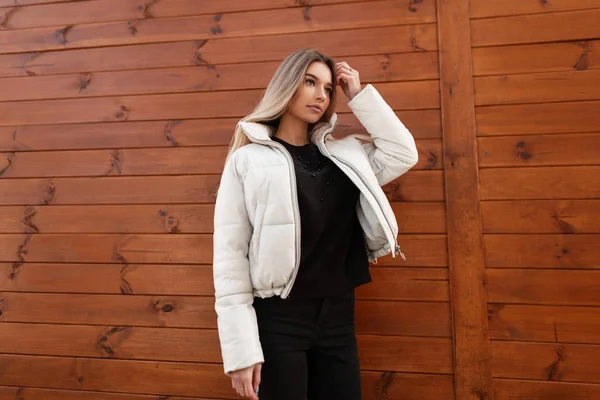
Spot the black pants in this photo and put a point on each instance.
(309, 347)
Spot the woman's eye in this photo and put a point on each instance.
(329, 91)
(310, 81)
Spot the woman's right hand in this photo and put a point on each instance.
(246, 381)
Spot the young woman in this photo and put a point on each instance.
(298, 216)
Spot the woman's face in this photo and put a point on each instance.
(314, 95)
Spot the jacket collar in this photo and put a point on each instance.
(259, 132)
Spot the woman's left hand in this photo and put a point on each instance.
(348, 79)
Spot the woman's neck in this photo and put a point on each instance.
(292, 130)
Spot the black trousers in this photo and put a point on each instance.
(309, 347)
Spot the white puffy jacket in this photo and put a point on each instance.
(257, 222)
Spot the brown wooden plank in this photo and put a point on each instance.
(550, 362)
(123, 10)
(423, 124)
(397, 386)
(539, 150)
(147, 279)
(169, 218)
(411, 217)
(391, 285)
(142, 377)
(495, 8)
(430, 319)
(402, 354)
(540, 183)
(550, 27)
(507, 389)
(106, 248)
(526, 119)
(537, 88)
(8, 3)
(382, 68)
(416, 186)
(527, 286)
(346, 43)
(292, 20)
(117, 342)
(110, 190)
(137, 162)
(536, 58)
(420, 251)
(541, 216)
(399, 95)
(472, 367)
(545, 323)
(542, 251)
(408, 318)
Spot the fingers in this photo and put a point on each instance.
(249, 390)
(256, 376)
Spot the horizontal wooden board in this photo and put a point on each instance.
(391, 353)
(536, 58)
(413, 186)
(118, 10)
(423, 124)
(550, 362)
(135, 343)
(544, 323)
(549, 27)
(542, 251)
(8, 3)
(541, 216)
(416, 186)
(396, 386)
(430, 319)
(508, 389)
(540, 183)
(420, 251)
(170, 218)
(372, 69)
(537, 88)
(526, 119)
(111, 190)
(527, 286)
(106, 248)
(408, 318)
(495, 8)
(154, 161)
(539, 150)
(343, 44)
(399, 95)
(292, 20)
(391, 285)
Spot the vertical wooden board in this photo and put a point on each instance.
(472, 367)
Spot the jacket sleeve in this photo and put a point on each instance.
(392, 150)
(236, 318)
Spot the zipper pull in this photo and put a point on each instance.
(399, 251)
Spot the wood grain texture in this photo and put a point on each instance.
(508, 389)
(292, 20)
(537, 58)
(542, 251)
(541, 216)
(529, 286)
(536, 28)
(539, 150)
(472, 367)
(569, 182)
(546, 361)
(553, 324)
(537, 87)
(574, 117)
(495, 8)
(411, 39)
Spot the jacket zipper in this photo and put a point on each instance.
(396, 249)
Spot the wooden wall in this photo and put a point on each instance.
(114, 121)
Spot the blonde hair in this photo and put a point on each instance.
(282, 88)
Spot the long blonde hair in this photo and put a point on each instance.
(282, 88)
